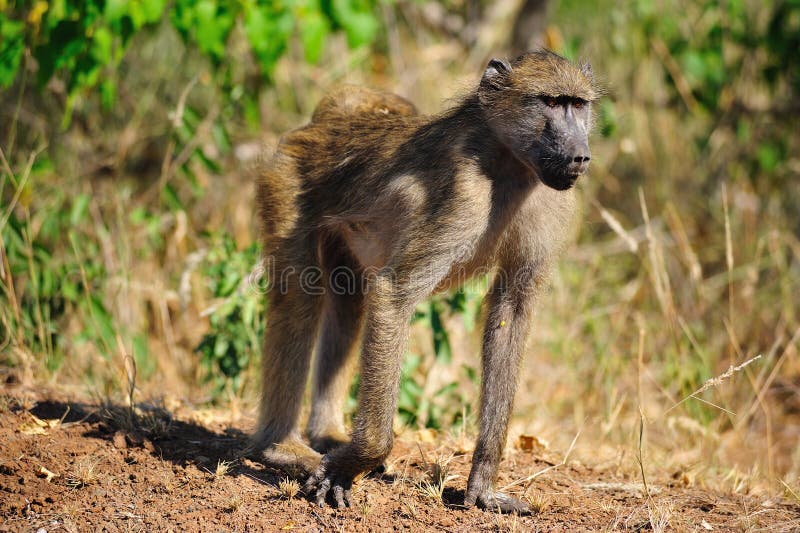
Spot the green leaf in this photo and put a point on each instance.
(441, 340)
(116, 9)
(102, 43)
(314, 29)
(145, 365)
(105, 332)
(170, 197)
(212, 27)
(268, 32)
(358, 21)
(12, 46)
(79, 208)
(108, 93)
(153, 9)
(768, 157)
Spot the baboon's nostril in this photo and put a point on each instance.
(581, 158)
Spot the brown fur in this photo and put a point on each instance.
(413, 204)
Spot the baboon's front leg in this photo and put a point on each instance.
(385, 339)
(507, 323)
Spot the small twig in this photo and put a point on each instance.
(640, 454)
(675, 72)
(793, 493)
(728, 258)
(20, 186)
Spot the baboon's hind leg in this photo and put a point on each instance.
(338, 343)
(293, 313)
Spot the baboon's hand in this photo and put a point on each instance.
(331, 476)
(492, 500)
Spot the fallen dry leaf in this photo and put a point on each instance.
(531, 443)
(426, 435)
(37, 426)
(49, 475)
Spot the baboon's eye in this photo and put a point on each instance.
(550, 101)
(578, 103)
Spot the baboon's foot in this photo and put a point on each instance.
(492, 500)
(334, 439)
(323, 442)
(333, 477)
(292, 455)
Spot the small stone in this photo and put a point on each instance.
(119, 440)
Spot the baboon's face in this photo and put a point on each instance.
(559, 148)
(541, 110)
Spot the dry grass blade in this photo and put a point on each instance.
(616, 226)
(715, 382)
(790, 490)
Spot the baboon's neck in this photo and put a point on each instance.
(482, 144)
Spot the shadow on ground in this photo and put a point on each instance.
(155, 429)
(184, 443)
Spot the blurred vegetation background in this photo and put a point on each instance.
(127, 128)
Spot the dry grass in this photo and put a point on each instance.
(234, 503)
(540, 503)
(437, 475)
(83, 473)
(288, 488)
(223, 469)
(660, 515)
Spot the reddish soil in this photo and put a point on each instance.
(89, 473)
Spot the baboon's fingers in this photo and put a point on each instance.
(322, 491)
(348, 497)
(338, 496)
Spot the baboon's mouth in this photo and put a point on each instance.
(561, 179)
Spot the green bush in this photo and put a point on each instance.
(84, 41)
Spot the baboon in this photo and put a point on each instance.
(412, 204)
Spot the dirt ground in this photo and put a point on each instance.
(85, 467)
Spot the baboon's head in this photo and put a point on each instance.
(539, 106)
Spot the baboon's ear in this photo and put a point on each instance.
(496, 74)
(586, 68)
